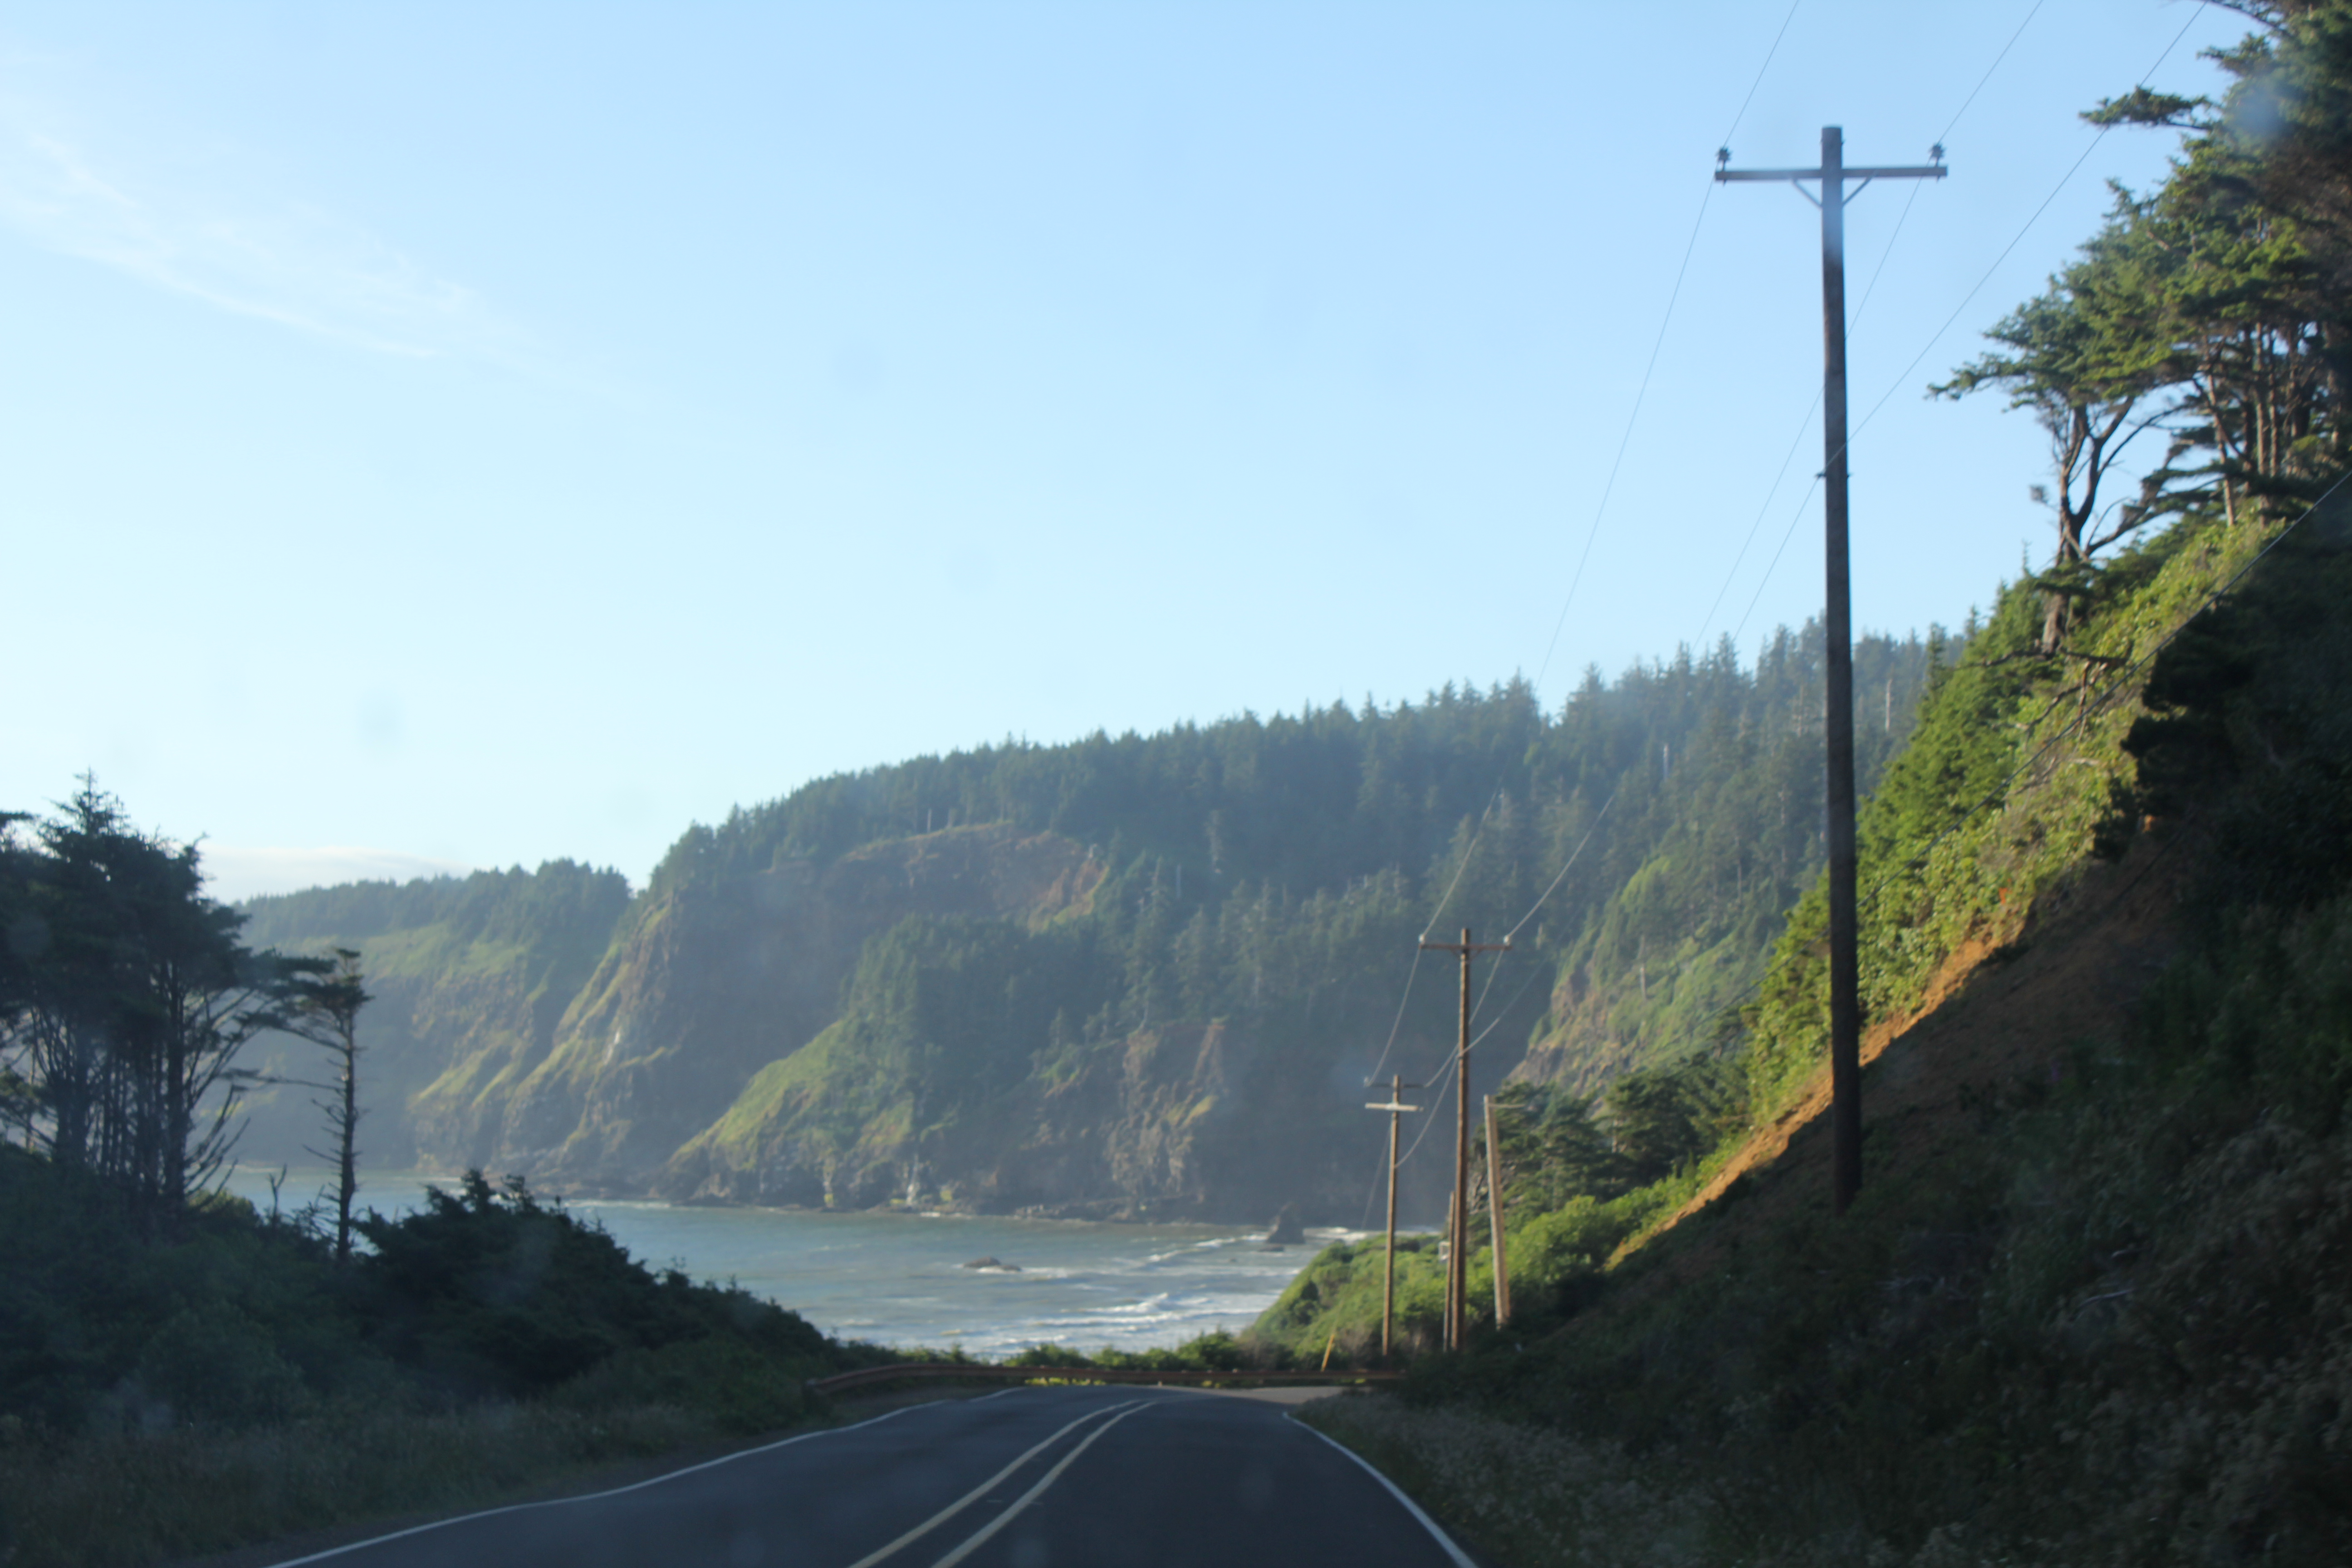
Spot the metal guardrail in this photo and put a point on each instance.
(989, 1372)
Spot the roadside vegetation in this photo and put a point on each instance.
(2090, 1306)
(235, 1385)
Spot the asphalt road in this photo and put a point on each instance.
(1032, 1477)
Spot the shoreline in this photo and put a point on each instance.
(894, 1274)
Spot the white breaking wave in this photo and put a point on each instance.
(900, 1279)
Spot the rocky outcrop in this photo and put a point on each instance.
(711, 983)
(1183, 1121)
(469, 981)
(931, 1019)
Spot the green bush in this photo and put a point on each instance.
(212, 1362)
(492, 1292)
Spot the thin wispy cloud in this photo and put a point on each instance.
(191, 231)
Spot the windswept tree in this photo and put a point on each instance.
(127, 998)
(2217, 308)
(325, 1011)
(2083, 357)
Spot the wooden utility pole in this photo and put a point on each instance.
(1845, 970)
(1457, 1275)
(1453, 1251)
(1494, 1218)
(1396, 1107)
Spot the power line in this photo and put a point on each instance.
(2063, 180)
(1493, 971)
(1441, 1083)
(1472, 849)
(1601, 510)
(1623, 441)
(1632, 418)
(1752, 85)
(2107, 694)
(1593, 827)
(1763, 582)
(1732, 575)
(1980, 86)
(1398, 1023)
(1869, 290)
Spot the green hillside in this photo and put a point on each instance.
(2091, 1304)
(1195, 948)
(468, 974)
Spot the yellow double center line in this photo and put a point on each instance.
(1125, 1410)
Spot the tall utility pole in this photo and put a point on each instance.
(1845, 970)
(1458, 1271)
(1396, 1107)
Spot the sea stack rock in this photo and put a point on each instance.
(1287, 1231)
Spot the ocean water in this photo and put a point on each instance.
(900, 1278)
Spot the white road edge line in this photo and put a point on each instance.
(1461, 1558)
(982, 1539)
(592, 1497)
(985, 1488)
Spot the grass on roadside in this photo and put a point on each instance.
(125, 1499)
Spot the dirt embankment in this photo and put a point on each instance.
(2008, 1004)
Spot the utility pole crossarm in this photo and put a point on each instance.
(1912, 172)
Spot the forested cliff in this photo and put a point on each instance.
(2089, 1305)
(1126, 976)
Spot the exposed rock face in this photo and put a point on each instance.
(1175, 1123)
(711, 983)
(468, 982)
(933, 1019)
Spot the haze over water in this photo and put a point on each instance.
(899, 1279)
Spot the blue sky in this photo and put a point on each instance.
(459, 436)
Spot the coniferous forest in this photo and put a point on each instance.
(2089, 1307)
(1096, 978)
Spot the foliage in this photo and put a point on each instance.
(490, 1292)
(486, 909)
(85, 1298)
(1262, 881)
(488, 1341)
(325, 1011)
(121, 1499)
(2108, 1328)
(475, 971)
(125, 997)
(486, 1293)
(2112, 1315)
